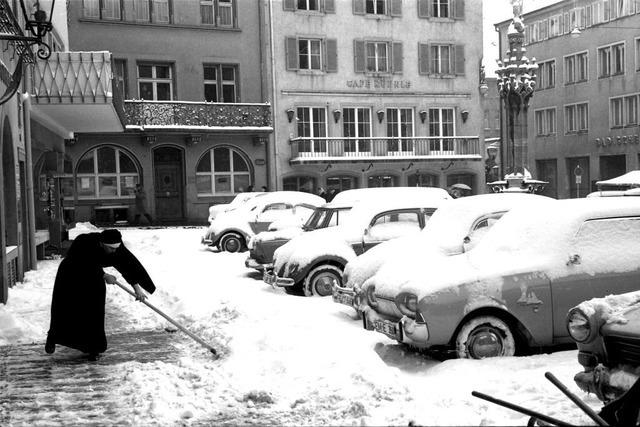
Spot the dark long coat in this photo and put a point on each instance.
(77, 306)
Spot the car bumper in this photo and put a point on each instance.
(270, 278)
(346, 296)
(606, 383)
(405, 330)
(252, 263)
(206, 241)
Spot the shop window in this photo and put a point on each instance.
(299, 183)
(382, 181)
(222, 170)
(422, 180)
(462, 178)
(106, 172)
(341, 183)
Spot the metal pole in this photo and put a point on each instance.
(176, 324)
(520, 409)
(31, 210)
(575, 399)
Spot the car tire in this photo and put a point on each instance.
(319, 281)
(231, 242)
(485, 336)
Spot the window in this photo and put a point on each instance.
(545, 121)
(377, 57)
(611, 60)
(222, 170)
(604, 244)
(576, 118)
(376, 7)
(155, 82)
(441, 8)
(341, 183)
(220, 83)
(440, 59)
(156, 11)
(106, 172)
(356, 124)
(382, 181)
(441, 123)
(422, 180)
(638, 52)
(310, 54)
(120, 76)
(547, 74)
(217, 12)
(399, 124)
(308, 5)
(390, 225)
(299, 183)
(312, 123)
(623, 111)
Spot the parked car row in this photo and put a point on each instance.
(481, 276)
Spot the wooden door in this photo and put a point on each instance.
(168, 185)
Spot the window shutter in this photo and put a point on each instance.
(424, 8)
(358, 56)
(423, 58)
(396, 51)
(329, 6)
(358, 7)
(396, 8)
(289, 4)
(459, 56)
(331, 55)
(458, 10)
(292, 53)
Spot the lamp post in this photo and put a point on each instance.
(516, 84)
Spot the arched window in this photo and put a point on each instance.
(299, 183)
(106, 173)
(422, 180)
(222, 170)
(341, 183)
(383, 181)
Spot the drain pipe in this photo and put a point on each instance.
(31, 211)
(274, 151)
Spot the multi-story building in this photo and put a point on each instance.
(371, 93)
(195, 123)
(583, 118)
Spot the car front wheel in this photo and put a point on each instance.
(231, 242)
(320, 280)
(485, 336)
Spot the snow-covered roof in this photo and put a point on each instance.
(631, 179)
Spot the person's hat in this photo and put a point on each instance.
(111, 238)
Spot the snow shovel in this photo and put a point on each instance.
(176, 324)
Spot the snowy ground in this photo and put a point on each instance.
(288, 360)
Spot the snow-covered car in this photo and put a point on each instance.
(240, 198)
(607, 331)
(454, 228)
(231, 230)
(263, 245)
(311, 262)
(512, 291)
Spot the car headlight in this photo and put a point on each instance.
(407, 303)
(578, 325)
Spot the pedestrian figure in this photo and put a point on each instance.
(78, 300)
(141, 205)
(264, 188)
(250, 189)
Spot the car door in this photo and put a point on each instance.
(603, 260)
(392, 224)
(269, 213)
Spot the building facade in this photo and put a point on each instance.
(196, 127)
(376, 93)
(583, 117)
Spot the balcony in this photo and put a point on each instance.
(154, 115)
(338, 149)
(74, 92)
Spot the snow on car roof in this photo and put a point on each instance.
(628, 179)
(348, 198)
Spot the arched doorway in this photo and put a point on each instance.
(168, 184)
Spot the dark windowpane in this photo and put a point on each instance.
(228, 73)
(163, 71)
(126, 164)
(239, 165)
(221, 160)
(203, 184)
(106, 160)
(228, 93)
(210, 73)
(146, 90)
(164, 92)
(68, 166)
(240, 183)
(206, 13)
(145, 71)
(211, 93)
(86, 164)
(204, 165)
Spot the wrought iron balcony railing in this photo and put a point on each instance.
(183, 114)
(384, 148)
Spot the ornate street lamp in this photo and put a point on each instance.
(37, 18)
(517, 77)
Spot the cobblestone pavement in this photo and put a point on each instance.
(66, 389)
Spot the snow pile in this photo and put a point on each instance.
(81, 228)
(611, 309)
(286, 233)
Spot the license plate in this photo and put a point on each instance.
(388, 328)
(345, 299)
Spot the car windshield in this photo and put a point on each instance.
(323, 217)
